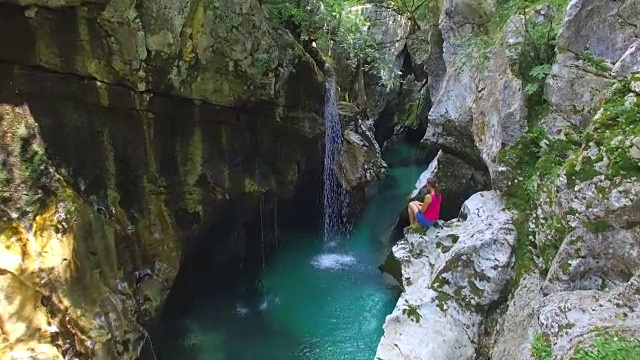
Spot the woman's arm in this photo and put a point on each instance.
(425, 204)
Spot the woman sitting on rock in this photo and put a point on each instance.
(426, 213)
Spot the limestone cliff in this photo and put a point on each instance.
(131, 127)
(550, 105)
(126, 128)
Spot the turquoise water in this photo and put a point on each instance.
(316, 303)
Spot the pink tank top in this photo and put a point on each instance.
(433, 210)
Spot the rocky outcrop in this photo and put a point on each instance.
(391, 81)
(457, 180)
(585, 232)
(161, 121)
(566, 163)
(361, 163)
(450, 276)
(480, 106)
(597, 43)
(388, 31)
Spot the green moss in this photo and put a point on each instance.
(596, 227)
(46, 51)
(580, 170)
(565, 267)
(537, 160)
(411, 119)
(440, 282)
(190, 157)
(86, 59)
(619, 121)
(534, 158)
(557, 229)
(541, 347)
(475, 290)
(252, 187)
(416, 229)
(442, 301)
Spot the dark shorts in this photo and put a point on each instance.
(423, 221)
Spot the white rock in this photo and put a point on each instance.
(474, 255)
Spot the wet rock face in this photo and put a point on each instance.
(449, 275)
(194, 49)
(59, 261)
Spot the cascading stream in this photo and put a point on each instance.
(334, 196)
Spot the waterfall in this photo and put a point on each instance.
(334, 196)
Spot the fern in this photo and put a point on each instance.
(540, 72)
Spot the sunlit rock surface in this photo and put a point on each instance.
(449, 275)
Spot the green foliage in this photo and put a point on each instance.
(539, 73)
(533, 158)
(610, 346)
(537, 48)
(619, 120)
(412, 312)
(417, 10)
(287, 13)
(599, 64)
(541, 347)
(620, 117)
(335, 23)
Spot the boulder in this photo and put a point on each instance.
(360, 162)
(514, 330)
(450, 275)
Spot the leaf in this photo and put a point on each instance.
(531, 88)
(540, 72)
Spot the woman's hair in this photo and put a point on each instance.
(432, 184)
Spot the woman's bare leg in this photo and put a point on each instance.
(410, 212)
(413, 210)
